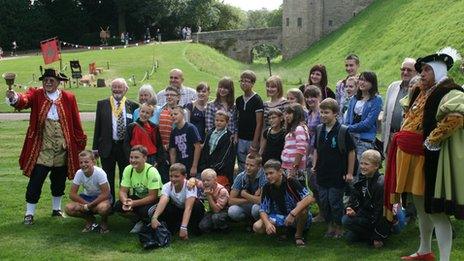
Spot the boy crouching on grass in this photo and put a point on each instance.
(95, 199)
(217, 197)
(364, 215)
(284, 203)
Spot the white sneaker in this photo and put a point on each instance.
(137, 227)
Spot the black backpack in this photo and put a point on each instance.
(154, 238)
(341, 141)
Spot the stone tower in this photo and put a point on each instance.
(304, 22)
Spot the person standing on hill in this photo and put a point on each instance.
(351, 67)
(53, 141)
(113, 116)
(176, 80)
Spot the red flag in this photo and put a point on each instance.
(50, 50)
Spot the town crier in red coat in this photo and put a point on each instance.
(53, 140)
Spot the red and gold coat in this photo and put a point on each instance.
(39, 103)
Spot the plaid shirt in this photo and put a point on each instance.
(187, 95)
(212, 108)
(214, 139)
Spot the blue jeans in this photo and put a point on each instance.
(240, 212)
(242, 151)
(331, 203)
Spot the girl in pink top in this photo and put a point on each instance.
(296, 142)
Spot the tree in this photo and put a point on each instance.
(230, 17)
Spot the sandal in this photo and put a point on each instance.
(329, 234)
(299, 241)
(282, 237)
(91, 227)
(87, 228)
(103, 230)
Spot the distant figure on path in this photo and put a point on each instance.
(53, 140)
(14, 46)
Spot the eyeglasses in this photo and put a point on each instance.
(406, 69)
(245, 81)
(170, 95)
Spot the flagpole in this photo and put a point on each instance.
(59, 50)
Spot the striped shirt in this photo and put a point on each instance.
(165, 125)
(295, 143)
(212, 108)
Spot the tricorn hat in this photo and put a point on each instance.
(53, 73)
(442, 57)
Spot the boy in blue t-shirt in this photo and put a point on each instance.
(284, 202)
(185, 142)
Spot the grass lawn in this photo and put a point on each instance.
(51, 239)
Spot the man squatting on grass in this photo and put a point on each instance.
(245, 195)
(96, 198)
(144, 181)
(284, 203)
(179, 205)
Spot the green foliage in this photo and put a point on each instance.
(231, 17)
(266, 50)
(264, 18)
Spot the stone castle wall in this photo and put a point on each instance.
(304, 22)
(238, 44)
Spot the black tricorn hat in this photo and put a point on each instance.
(53, 73)
(442, 57)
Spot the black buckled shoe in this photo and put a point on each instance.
(58, 213)
(28, 220)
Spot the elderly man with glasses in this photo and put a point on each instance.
(53, 141)
(113, 116)
(392, 111)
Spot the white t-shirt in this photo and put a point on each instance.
(178, 198)
(91, 184)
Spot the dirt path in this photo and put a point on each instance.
(85, 116)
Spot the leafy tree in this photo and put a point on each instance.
(231, 17)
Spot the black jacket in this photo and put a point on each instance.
(369, 204)
(103, 132)
(222, 159)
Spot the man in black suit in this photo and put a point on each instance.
(113, 115)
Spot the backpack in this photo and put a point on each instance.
(341, 142)
(146, 173)
(341, 137)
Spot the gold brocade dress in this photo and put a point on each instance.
(410, 168)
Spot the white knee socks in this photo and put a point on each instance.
(444, 234)
(56, 203)
(442, 226)
(30, 209)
